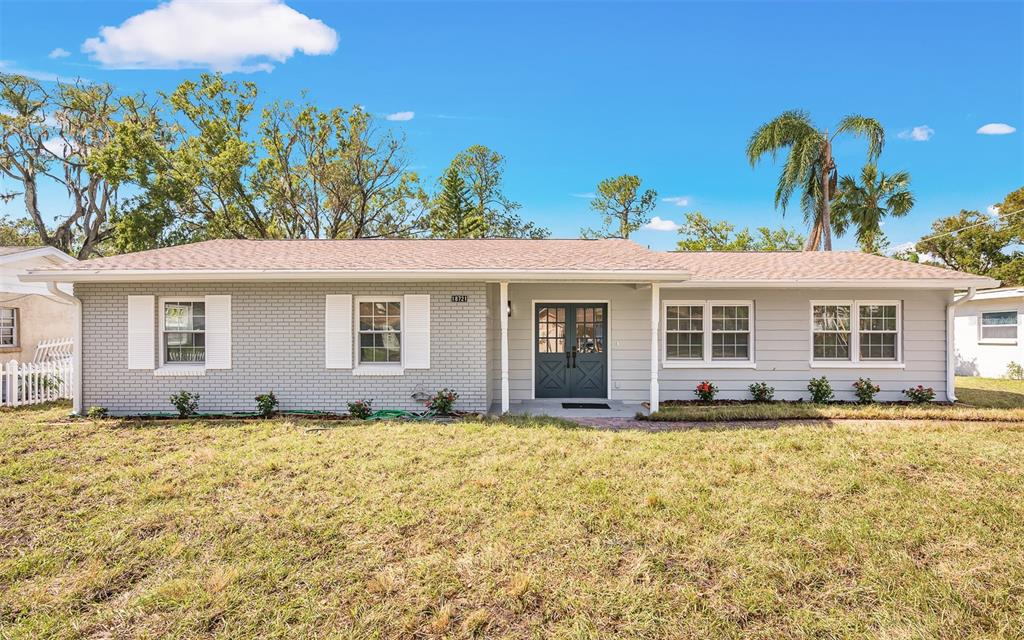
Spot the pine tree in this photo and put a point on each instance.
(453, 214)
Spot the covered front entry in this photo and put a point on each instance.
(570, 350)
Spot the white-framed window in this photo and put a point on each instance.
(999, 327)
(183, 331)
(684, 331)
(8, 327)
(707, 333)
(856, 333)
(379, 331)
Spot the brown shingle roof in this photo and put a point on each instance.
(393, 255)
(805, 265)
(515, 256)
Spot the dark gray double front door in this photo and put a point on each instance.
(571, 358)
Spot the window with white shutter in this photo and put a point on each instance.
(141, 332)
(218, 332)
(338, 332)
(416, 329)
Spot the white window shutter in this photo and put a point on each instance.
(416, 331)
(141, 332)
(338, 337)
(218, 332)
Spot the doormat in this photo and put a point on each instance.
(585, 405)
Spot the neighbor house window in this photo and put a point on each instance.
(707, 332)
(8, 327)
(183, 331)
(380, 331)
(855, 331)
(999, 326)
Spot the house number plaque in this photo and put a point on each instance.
(462, 298)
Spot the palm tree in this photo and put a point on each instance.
(810, 165)
(864, 205)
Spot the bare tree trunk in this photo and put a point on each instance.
(826, 206)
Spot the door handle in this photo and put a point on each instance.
(574, 357)
(567, 360)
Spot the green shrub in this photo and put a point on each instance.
(865, 390)
(442, 402)
(1014, 371)
(186, 403)
(97, 412)
(360, 409)
(920, 394)
(761, 392)
(821, 390)
(266, 404)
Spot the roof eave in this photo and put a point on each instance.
(844, 283)
(321, 275)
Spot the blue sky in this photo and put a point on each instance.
(575, 92)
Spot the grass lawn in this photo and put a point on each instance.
(261, 529)
(990, 392)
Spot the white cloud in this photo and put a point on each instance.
(585, 196)
(679, 201)
(59, 53)
(996, 129)
(992, 210)
(921, 133)
(400, 116)
(659, 224)
(222, 36)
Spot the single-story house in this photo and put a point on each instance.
(500, 321)
(29, 313)
(987, 332)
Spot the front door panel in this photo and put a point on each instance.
(588, 377)
(571, 351)
(552, 352)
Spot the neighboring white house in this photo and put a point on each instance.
(29, 312)
(988, 332)
(503, 322)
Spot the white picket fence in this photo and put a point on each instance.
(54, 349)
(23, 383)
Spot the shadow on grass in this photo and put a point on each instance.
(990, 398)
(538, 422)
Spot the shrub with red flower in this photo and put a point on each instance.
(920, 394)
(706, 391)
(442, 402)
(360, 409)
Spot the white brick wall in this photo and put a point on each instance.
(278, 344)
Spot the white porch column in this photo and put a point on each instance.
(655, 320)
(503, 314)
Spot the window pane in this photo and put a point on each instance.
(6, 317)
(1002, 332)
(184, 347)
(878, 317)
(730, 346)
(999, 318)
(832, 318)
(878, 346)
(730, 318)
(832, 346)
(685, 346)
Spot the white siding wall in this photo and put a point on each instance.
(782, 327)
(974, 358)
